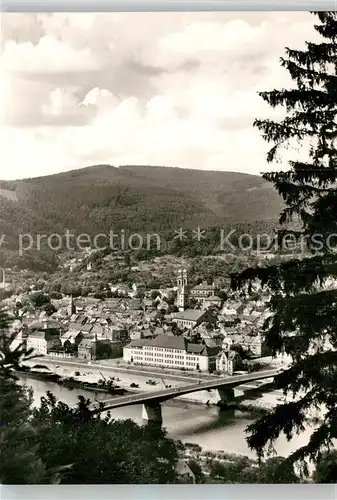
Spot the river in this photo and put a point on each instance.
(208, 427)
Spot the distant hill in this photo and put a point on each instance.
(135, 198)
(9, 194)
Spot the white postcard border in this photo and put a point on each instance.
(164, 5)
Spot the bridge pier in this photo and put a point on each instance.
(227, 397)
(151, 413)
(228, 390)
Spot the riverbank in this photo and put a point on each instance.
(209, 428)
(76, 382)
(221, 467)
(134, 380)
(141, 381)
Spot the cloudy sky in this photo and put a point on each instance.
(177, 89)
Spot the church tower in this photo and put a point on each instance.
(182, 293)
(71, 307)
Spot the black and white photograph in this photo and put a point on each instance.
(168, 248)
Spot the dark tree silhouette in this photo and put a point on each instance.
(304, 310)
(20, 462)
(103, 451)
(326, 468)
(56, 443)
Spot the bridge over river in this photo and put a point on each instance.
(151, 401)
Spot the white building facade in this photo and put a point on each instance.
(37, 342)
(171, 352)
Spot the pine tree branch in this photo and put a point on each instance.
(321, 438)
(293, 276)
(303, 319)
(288, 418)
(316, 53)
(305, 75)
(299, 99)
(298, 313)
(313, 172)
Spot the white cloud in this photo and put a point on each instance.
(232, 36)
(98, 97)
(32, 153)
(61, 101)
(48, 55)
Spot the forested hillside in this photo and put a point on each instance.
(136, 198)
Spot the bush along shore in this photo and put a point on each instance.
(223, 468)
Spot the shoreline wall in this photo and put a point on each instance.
(124, 379)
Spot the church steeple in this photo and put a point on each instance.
(180, 278)
(182, 293)
(71, 307)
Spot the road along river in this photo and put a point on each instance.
(212, 429)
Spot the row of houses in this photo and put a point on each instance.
(83, 338)
(213, 326)
(51, 337)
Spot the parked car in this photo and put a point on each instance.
(134, 385)
(151, 382)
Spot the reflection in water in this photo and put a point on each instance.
(211, 421)
(209, 427)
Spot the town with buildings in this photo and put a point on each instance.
(168, 252)
(186, 328)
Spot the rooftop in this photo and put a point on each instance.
(204, 286)
(172, 342)
(189, 314)
(45, 325)
(69, 334)
(37, 335)
(182, 467)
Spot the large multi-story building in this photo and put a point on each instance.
(171, 352)
(42, 342)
